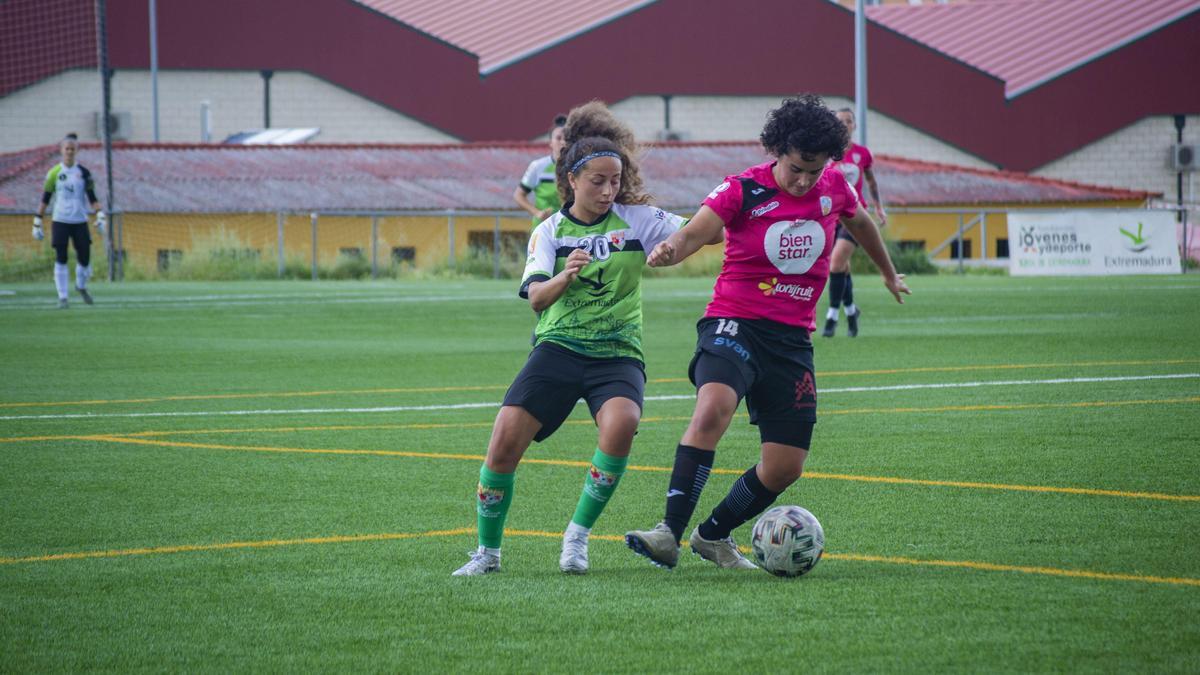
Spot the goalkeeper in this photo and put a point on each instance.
(71, 186)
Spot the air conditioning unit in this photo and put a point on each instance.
(120, 125)
(672, 135)
(1185, 157)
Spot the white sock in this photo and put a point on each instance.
(851, 310)
(576, 528)
(62, 274)
(490, 551)
(832, 314)
(82, 274)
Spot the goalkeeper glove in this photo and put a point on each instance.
(37, 228)
(101, 222)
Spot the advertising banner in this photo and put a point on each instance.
(1092, 242)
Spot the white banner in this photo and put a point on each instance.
(1092, 242)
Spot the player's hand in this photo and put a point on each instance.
(575, 262)
(663, 255)
(880, 217)
(101, 222)
(897, 287)
(545, 213)
(38, 233)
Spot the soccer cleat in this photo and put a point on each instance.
(723, 552)
(852, 324)
(62, 303)
(574, 558)
(481, 562)
(87, 297)
(830, 326)
(659, 545)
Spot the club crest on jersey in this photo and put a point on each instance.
(794, 246)
(856, 157)
(826, 205)
(617, 238)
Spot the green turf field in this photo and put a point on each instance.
(280, 477)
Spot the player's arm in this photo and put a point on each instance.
(873, 188)
(542, 294)
(521, 197)
(706, 227)
(867, 235)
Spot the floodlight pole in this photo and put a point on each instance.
(154, 64)
(106, 121)
(860, 72)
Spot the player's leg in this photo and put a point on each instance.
(82, 241)
(60, 234)
(852, 310)
(540, 398)
(721, 376)
(617, 419)
(839, 271)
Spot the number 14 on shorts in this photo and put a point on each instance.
(727, 326)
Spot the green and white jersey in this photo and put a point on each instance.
(70, 187)
(600, 314)
(539, 179)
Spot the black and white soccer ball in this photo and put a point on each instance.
(788, 541)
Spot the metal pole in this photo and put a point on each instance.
(961, 264)
(374, 247)
(154, 64)
(279, 220)
(860, 71)
(119, 254)
(106, 112)
(314, 245)
(496, 250)
(450, 229)
(266, 76)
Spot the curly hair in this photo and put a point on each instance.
(590, 128)
(804, 124)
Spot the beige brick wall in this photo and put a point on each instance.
(1134, 158)
(42, 113)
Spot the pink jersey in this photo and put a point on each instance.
(854, 164)
(776, 246)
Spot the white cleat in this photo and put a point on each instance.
(723, 552)
(574, 558)
(481, 562)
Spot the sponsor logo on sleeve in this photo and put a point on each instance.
(718, 190)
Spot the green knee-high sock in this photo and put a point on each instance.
(602, 478)
(491, 508)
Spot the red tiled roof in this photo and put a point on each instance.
(224, 179)
(1026, 43)
(500, 33)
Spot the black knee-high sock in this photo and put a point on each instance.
(747, 498)
(692, 466)
(848, 292)
(837, 288)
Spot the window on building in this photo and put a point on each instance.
(1001, 248)
(965, 251)
(168, 258)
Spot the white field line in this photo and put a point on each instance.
(254, 301)
(678, 397)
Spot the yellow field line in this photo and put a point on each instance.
(816, 475)
(666, 380)
(393, 536)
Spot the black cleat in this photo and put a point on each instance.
(830, 326)
(87, 297)
(62, 303)
(852, 324)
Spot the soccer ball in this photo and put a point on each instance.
(788, 541)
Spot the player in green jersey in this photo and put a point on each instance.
(540, 181)
(583, 275)
(71, 186)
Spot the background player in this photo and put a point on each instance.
(71, 186)
(856, 165)
(540, 178)
(779, 219)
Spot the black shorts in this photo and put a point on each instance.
(771, 364)
(77, 232)
(555, 378)
(844, 234)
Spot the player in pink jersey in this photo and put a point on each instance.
(856, 165)
(779, 221)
